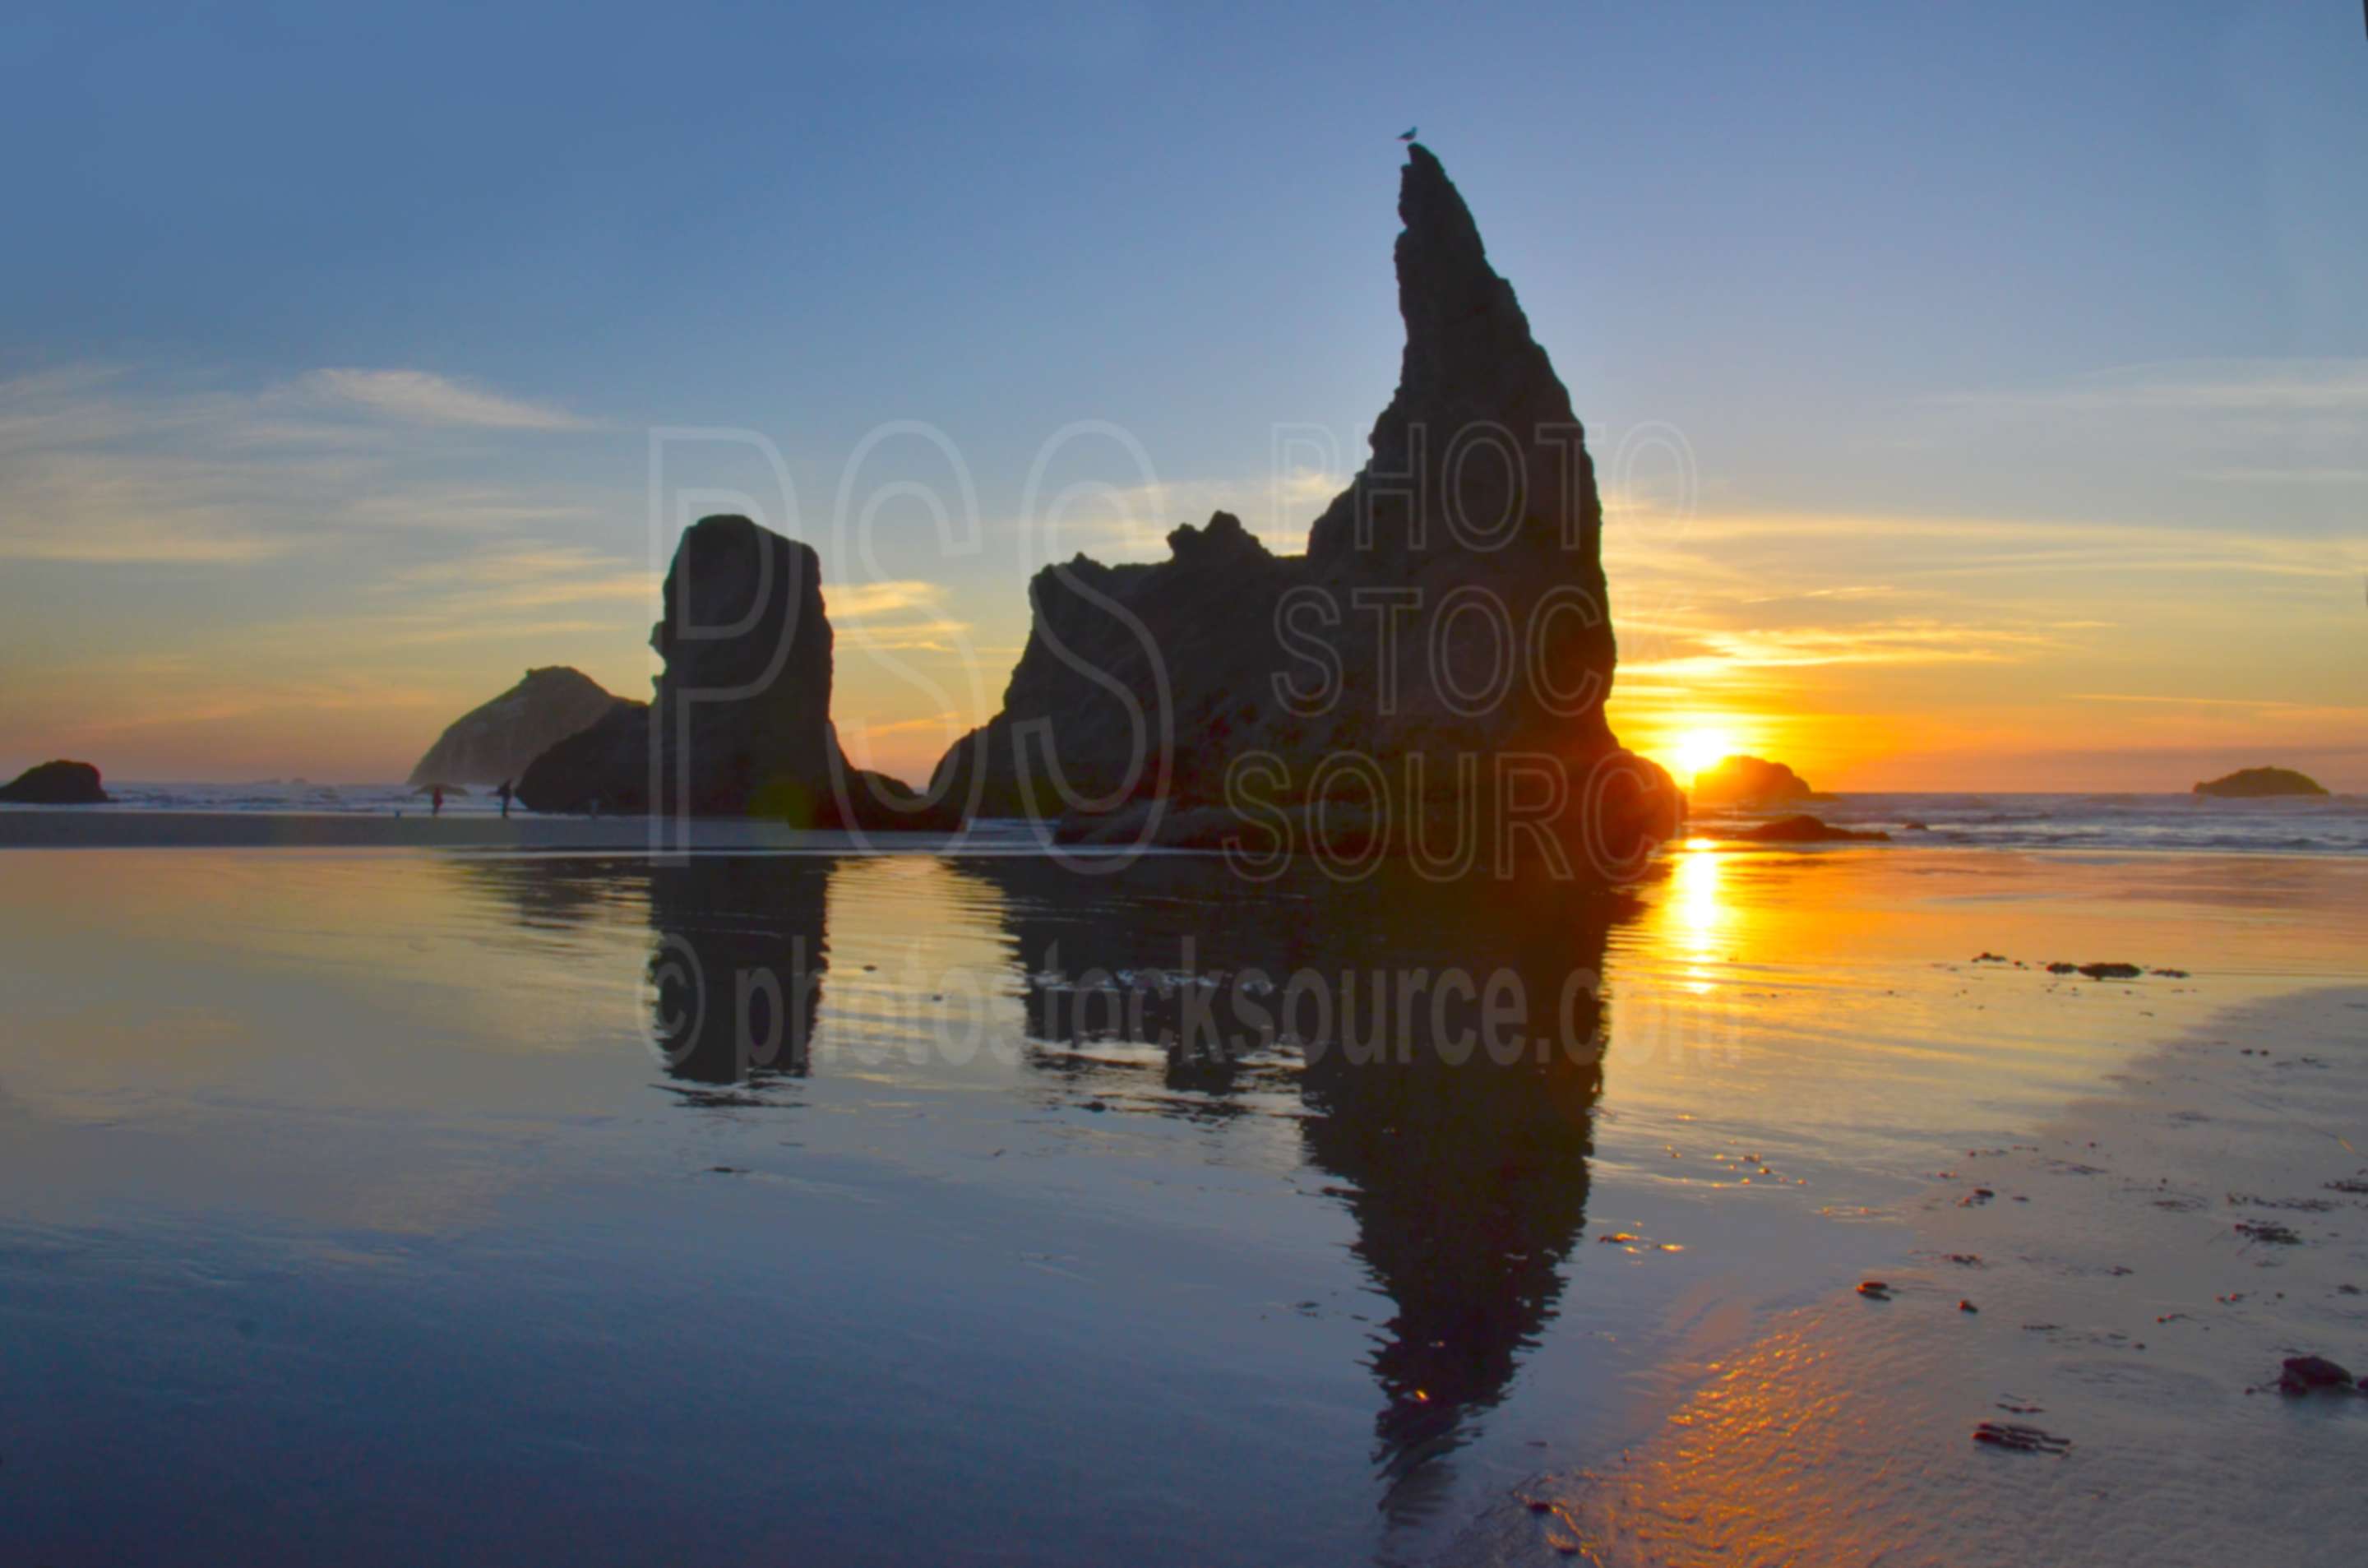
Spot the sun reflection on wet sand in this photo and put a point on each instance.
(1697, 915)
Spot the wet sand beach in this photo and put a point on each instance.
(868, 1206)
(2075, 1356)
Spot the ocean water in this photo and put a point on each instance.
(2336, 824)
(402, 1205)
(2332, 825)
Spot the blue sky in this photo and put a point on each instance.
(334, 342)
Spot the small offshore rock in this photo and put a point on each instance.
(1805, 829)
(1746, 782)
(59, 783)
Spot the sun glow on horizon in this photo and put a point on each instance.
(1697, 747)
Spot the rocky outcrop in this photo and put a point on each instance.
(2255, 783)
(741, 716)
(59, 783)
(1747, 782)
(1443, 649)
(602, 769)
(1807, 830)
(494, 742)
(1130, 673)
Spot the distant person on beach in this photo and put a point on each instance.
(503, 794)
(435, 801)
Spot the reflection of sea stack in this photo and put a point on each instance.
(737, 970)
(495, 741)
(735, 975)
(59, 783)
(1450, 610)
(1465, 1171)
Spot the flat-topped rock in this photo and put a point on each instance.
(740, 720)
(58, 783)
(2255, 783)
(1747, 782)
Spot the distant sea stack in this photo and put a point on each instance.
(1747, 782)
(59, 783)
(2255, 783)
(493, 744)
(742, 710)
(1448, 615)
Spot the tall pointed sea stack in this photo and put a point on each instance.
(1479, 479)
(1441, 655)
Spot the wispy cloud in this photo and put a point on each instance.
(103, 465)
(2296, 475)
(134, 541)
(1695, 659)
(459, 507)
(851, 602)
(424, 398)
(490, 591)
(2253, 385)
(2250, 703)
(903, 615)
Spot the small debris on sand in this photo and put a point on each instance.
(2268, 1231)
(1965, 1306)
(2303, 1374)
(1874, 1290)
(2020, 1439)
(2306, 1205)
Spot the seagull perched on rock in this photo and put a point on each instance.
(1407, 134)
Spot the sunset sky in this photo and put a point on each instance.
(1980, 393)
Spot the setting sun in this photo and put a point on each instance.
(1696, 749)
